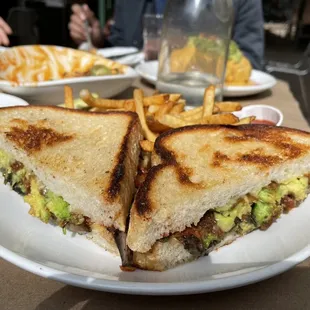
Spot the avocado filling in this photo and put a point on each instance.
(44, 204)
(254, 211)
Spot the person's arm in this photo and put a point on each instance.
(248, 30)
(5, 30)
(116, 37)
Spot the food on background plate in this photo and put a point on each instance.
(38, 63)
(197, 55)
(209, 185)
(74, 168)
(162, 112)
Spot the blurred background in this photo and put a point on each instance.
(287, 33)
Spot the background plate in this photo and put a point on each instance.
(264, 81)
(52, 92)
(44, 250)
(10, 101)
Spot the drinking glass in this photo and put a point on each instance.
(152, 28)
(194, 47)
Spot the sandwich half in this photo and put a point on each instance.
(73, 168)
(212, 184)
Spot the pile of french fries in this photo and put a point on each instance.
(162, 112)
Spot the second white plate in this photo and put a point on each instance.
(263, 81)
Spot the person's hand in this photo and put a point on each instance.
(5, 30)
(77, 25)
(107, 27)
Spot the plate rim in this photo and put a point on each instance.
(130, 73)
(249, 88)
(21, 100)
(158, 288)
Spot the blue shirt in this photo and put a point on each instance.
(160, 6)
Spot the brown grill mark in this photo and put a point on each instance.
(34, 138)
(263, 160)
(219, 158)
(119, 170)
(277, 137)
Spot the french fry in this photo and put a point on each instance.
(138, 97)
(164, 109)
(208, 101)
(155, 100)
(87, 97)
(147, 146)
(228, 106)
(174, 97)
(153, 109)
(69, 103)
(195, 118)
(129, 106)
(173, 121)
(154, 125)
(194, 111)
(245, 120)
(177, 109)
(220, 119)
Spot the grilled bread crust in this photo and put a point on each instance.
(90, 159)
(203, 167)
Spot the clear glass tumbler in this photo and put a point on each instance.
(194, 47)
(152, 29)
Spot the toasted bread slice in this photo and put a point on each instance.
(90, 159)
(204, 167)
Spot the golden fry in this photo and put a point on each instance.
(153, 109)
(208, 101)
(69, 103)
(228, 106)
(147, 146)
(138, 96)
(177, 109)
(164, 109)
(155, 100)
(173, 121)
(129, 106)
(245, 120)
(194, 111)
(174, 97)
(154, 125)
(220, 119)
(195, 118)
(87, 97)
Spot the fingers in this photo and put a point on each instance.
(7, 29)
(4, 31)
(89, 14)
(4, 40)
(96, 33)
(77, 33)
(76, 25)
(78, 11)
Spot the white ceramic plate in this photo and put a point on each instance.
(10, 101)
(264, 81)
(43, 250)
(2, 48)
(118, 51)
(52, 92)
(131, 60)
(125, 55)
